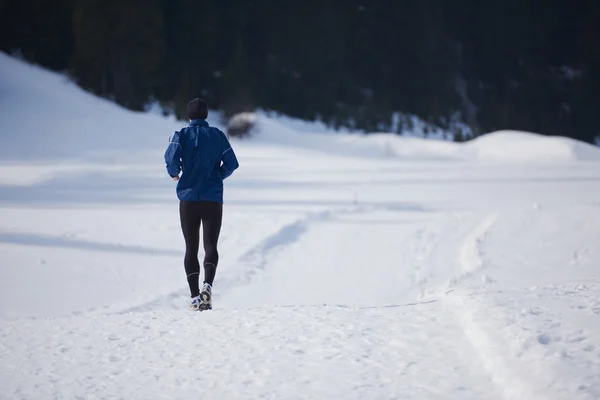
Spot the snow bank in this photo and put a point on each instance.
(515, 146)
(46, 116)
(497, 147)
(414, 147)
(376, 145)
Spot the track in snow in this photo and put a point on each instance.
(269, 352)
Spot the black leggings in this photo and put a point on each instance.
(192, 215)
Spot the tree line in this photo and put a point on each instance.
(366, 65)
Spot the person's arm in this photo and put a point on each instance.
(173, 157)
(230, 162)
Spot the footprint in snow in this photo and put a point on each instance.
(543, 339)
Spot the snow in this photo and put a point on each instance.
(495, 147)
(506, 146)
(351, 266)
(333, 352)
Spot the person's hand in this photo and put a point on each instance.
(175, 178)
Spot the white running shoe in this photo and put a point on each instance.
(196, 301)
(206, 297)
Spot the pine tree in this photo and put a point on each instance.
(38, 30)
(118, 49)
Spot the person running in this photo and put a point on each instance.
(205, 158)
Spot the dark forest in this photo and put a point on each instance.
(513, 64)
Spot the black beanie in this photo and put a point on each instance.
(197, 109)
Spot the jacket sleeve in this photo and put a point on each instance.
(173, 156)
(230, 162)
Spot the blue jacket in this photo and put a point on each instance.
(206, 158)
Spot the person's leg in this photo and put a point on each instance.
(190, 226)
(212, 217)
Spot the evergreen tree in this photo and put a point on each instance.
(38, 30)
(118, 49)
(191, 66)
(513, 64)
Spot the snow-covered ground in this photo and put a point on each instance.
(377, 267)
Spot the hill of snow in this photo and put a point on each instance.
(351, 266)
(506, 146)
(495, 147)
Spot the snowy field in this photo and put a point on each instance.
(351, 267)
